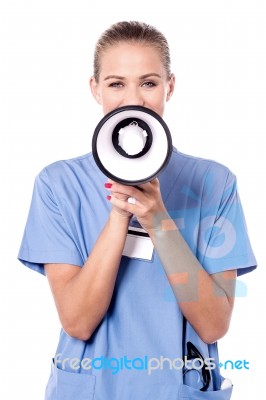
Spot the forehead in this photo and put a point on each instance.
(131, 57)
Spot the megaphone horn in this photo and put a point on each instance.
(131, 145)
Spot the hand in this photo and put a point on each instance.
(119, 196)
(149, 208)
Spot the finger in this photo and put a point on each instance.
(139, 193)
(150, 186)
(120, 196)
(124, 197)
(123, 190)
(122, 204)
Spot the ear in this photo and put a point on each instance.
(171, 87)
(95, 90)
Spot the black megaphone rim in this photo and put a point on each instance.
(110, 115)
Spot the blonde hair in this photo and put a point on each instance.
(132, 31)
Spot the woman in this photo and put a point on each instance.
(122, 317)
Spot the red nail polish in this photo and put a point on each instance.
(108, 197)
(108, 185)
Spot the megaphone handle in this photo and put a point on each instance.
(137, 187)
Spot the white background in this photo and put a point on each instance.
(47, 113)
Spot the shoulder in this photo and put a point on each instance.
(200, 178)
(199, 166)
(67, 176)
(68, 168)
(68, 164)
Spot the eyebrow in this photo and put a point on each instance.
(141, 77)
(149, 75)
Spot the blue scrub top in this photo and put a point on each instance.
(144, 322)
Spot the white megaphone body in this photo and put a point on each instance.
(131, 145)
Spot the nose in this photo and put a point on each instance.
(133, 97)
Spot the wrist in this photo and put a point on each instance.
(119, 218)
(162, 224)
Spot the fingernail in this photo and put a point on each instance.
(108, 185)
(108, 197)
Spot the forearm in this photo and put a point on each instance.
(86, 296)
(205, 300)
(204, 303)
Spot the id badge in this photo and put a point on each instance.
(138, 244)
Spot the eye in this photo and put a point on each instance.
(149, 84)
(116, 84)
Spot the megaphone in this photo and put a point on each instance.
(131, 145)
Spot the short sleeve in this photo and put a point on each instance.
(46, 238)
(224, 237)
